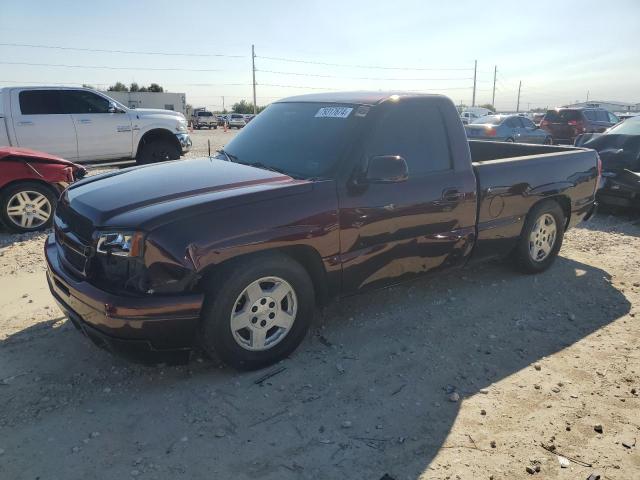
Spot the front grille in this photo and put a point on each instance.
(74, 252)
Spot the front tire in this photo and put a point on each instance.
(257, 311)
(510, 140)
(548, 141)
(158, 150)
(541, 238)
(27, 207)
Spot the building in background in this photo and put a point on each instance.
(164, 100)
(611, 106)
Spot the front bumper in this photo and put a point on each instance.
(147, 329)
(185, 142)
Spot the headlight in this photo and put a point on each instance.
(181, 126)
(122, 244)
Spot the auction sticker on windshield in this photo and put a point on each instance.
(333, 112)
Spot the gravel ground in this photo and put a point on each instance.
(463, 377)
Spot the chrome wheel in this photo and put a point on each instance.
(29, 209)
(263, 313)
(542, 237)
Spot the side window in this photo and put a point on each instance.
(512, 122)
(526, 122)
(417, 133)
(613, 118)
(602, 115)
(79, 101)
(591, 115)
(40, 102)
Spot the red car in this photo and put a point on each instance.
(30, 184)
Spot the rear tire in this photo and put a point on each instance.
(510, 140)
(27, 207)
(541, 238)
(548, 141)
(158, 150)
(245, 322)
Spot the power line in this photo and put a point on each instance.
(311, 62)
(132, 52)
(363, 78)
(112, 68)
(326, 89)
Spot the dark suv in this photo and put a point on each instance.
(565, 124)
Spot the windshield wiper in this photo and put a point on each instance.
(229, 156)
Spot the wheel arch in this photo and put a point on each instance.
(307, 256)
(56, 192)
(155, 134)
(560, 199)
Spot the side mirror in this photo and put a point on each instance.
(387, 169)
(113, 108)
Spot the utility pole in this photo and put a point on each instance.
(475, 71)
(518, 105)
(587, 95)
(253, 66)
(493, 97)
(223, 104)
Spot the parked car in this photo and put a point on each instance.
(221, 119)
(507, 128)
(203, 119)
(236, 120)
(565, 124)
(84, 125)
(619, 150)
(30, 184)
(325, 195)
(470, 114)
(249, 117)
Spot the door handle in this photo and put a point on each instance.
(84, 121)
(27, 123)
(452, 195)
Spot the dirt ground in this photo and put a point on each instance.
(463, 376)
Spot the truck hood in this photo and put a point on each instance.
(149, 196)
(155, 112)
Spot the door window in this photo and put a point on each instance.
(591, 115)
(613, 118)
(417, 133)
(527, 123)
(79, 101)
(512, 122)
(602, 116)
(40, 102)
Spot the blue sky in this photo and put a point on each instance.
(559, 49)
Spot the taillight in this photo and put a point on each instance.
(544, 123)
(490, 132)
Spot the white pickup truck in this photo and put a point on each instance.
(80, 124)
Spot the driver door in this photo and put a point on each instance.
(103, 133)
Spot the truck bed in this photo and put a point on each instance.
(512, 177)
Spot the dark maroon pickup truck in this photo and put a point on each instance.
(319, 196)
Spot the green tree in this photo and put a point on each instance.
(118, 87)
(154, 87)
(488, 106)
(134, 87)
(245, 107)
(85, 85)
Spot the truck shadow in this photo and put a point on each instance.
(366, 394)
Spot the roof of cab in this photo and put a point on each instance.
(357, 98)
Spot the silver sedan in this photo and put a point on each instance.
(507, 128)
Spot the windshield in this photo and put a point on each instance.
(630, 126)
(302, 139)
(237, 116)
(489, 120)
(205, 114)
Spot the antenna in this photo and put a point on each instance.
(209, 145)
